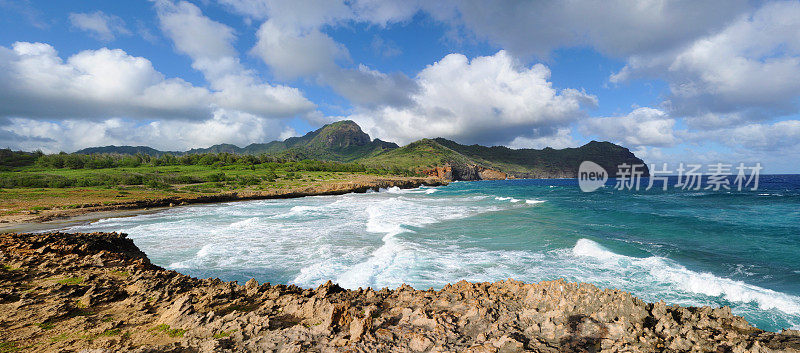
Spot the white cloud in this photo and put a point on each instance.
(100, 25)
(297, 51)
(193, 33)
(774, 145)
(491, 99)
(209, 44)
(309, 14)
(562, 138)
(616, 27)
(301, 14)
(227, 127)
(642, 127)
(366, 87)
(291, 52)
(35, 82)
(778, 136)
(749, 70)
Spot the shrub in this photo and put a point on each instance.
(216, 177)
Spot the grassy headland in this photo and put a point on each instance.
(34, 185)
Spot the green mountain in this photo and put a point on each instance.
(451, 160)
(547, 162)
(344, 141)
(125, 150)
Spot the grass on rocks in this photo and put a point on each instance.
(165, 329)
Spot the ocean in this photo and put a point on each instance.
(688, 247)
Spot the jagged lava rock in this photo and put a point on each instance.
(98, 292)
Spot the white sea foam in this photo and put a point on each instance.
(404, 236)
(506, 198)
(663, 271)
(389, 262)
(245, 223)
(392, 190)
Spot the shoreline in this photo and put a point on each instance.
(99, 291)
(16, 223)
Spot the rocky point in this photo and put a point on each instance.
(99, 293)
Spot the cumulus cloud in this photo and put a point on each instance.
(107, 96)
(560, 138)
(302, 14)
(195, 34)
(291, 52)
(749, 70)
(223, 127)
(642, 127)
(370, 88)
(35, 82)
(774, 145)
(307, 14)
(490, 99)
(100, 25)
(617, 27)
(778, 136)
(209, 44)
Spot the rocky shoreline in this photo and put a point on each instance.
(99, 292)
(339, 188)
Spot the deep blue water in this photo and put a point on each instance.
(690, 247)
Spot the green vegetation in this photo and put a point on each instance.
(62, 337)
(71, 281)
(340, 147)
(110, 332)
(8, 346)
(13, 159)
(118, 273)
(32, 182)
(162, 173)
(9, 268)
(165, 329)
(522, 163)
(223, 334)
(547, 161)
(46, 325)
(423, 154)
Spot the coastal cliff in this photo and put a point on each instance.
(465, 172)
(69, 292)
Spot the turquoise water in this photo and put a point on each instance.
(740, 249)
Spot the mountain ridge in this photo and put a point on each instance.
(344, 141)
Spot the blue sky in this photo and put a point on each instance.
(699, 82)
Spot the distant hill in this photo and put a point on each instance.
(341, 141)
(344, 141)
(125, 150)
(449, 159)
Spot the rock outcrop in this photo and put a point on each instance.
(98, 292)
(465, 172)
